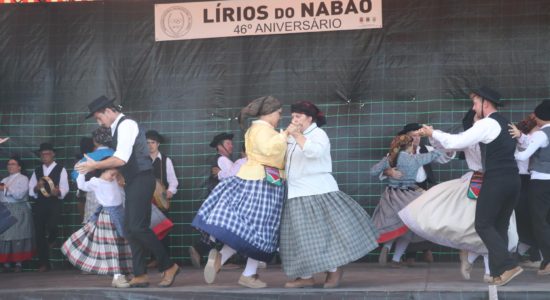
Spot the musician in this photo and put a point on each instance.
(48, 186)
(165, 174)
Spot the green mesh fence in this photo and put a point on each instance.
(360, 133)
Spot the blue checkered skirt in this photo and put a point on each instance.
(245, 215)
(322, 232)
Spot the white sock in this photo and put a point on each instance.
(486, 263)
(116, 276)
(251, 267)
(400, 247)
(306, 277)
(389, 244)
(332, 270)
(523, 248)
(226, 253)
(472, 256)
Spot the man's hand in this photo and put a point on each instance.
(393, 173)
(55, 192)
(215, 171)
(2, 140)
(169, 195)
(87, 166)
(426, 131)
(38, 186)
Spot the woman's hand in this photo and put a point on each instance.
(514, 131)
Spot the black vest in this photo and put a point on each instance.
(427, 168)
(159, 168)
(139, 160)
(540, 161)
(499, 154)
(213, 180)
(55, 176)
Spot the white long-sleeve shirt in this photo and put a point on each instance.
(170, 174)
(16, 188)
(309, 170)
(484, 131)
(538, 140)
(127, 133)
(107, 193)
(63, 181)
(225, 165)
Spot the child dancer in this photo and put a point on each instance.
(99, 247)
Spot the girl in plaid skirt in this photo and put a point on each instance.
(244, 211)
(99, 247)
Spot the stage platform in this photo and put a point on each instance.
(360, 281)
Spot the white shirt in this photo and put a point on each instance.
(484, 131)
(127, 133)
(63, 181)
(170, 174)
(225, 165)
(309, 170)
(523, 142)
(107, 193)
(538, 140)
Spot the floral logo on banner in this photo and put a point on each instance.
(176, 21)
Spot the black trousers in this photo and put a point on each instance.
(139, 191)
(539, 205)
(498, 197)
(523, 215)
(46, 217)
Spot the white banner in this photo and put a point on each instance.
(200, 20)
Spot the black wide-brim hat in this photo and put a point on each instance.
(155, 136)
(488, 94)
(98, 104)
(218, 139)
(45, 147)
(410, 127)
(542, 111)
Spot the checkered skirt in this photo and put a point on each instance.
(245, 215)
(98, 248)
(322, 232)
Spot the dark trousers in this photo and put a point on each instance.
(139, 191)
(539, 204)
(523, 215)
(46, 217)
(498, 197)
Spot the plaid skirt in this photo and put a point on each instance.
(385, 216)
(98, 248)
(245, 215)
(322, 232)
(17, 243)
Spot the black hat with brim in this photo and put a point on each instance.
(98, 104)
(45, 147)
(155, 136)
(542, 111)
(488, 94)
(410, 127)
(218, 139)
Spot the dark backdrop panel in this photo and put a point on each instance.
(56, 58)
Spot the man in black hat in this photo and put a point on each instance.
(538, 154)
(163, 168)
(47, 201)
(132, 156)
(501, 183)
(220, 168)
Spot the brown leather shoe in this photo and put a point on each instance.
(213, 266)
(168, 276)
(505, 277)
(252, 282)
(140, 281)
(300, 283)
(545, 270)
(333, 279)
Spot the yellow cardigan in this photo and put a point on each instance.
(264, 146)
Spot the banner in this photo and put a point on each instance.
(200, 20)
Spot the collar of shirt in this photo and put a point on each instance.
(159, 156)
(48, 169)
(310, 128)
(115, 123)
